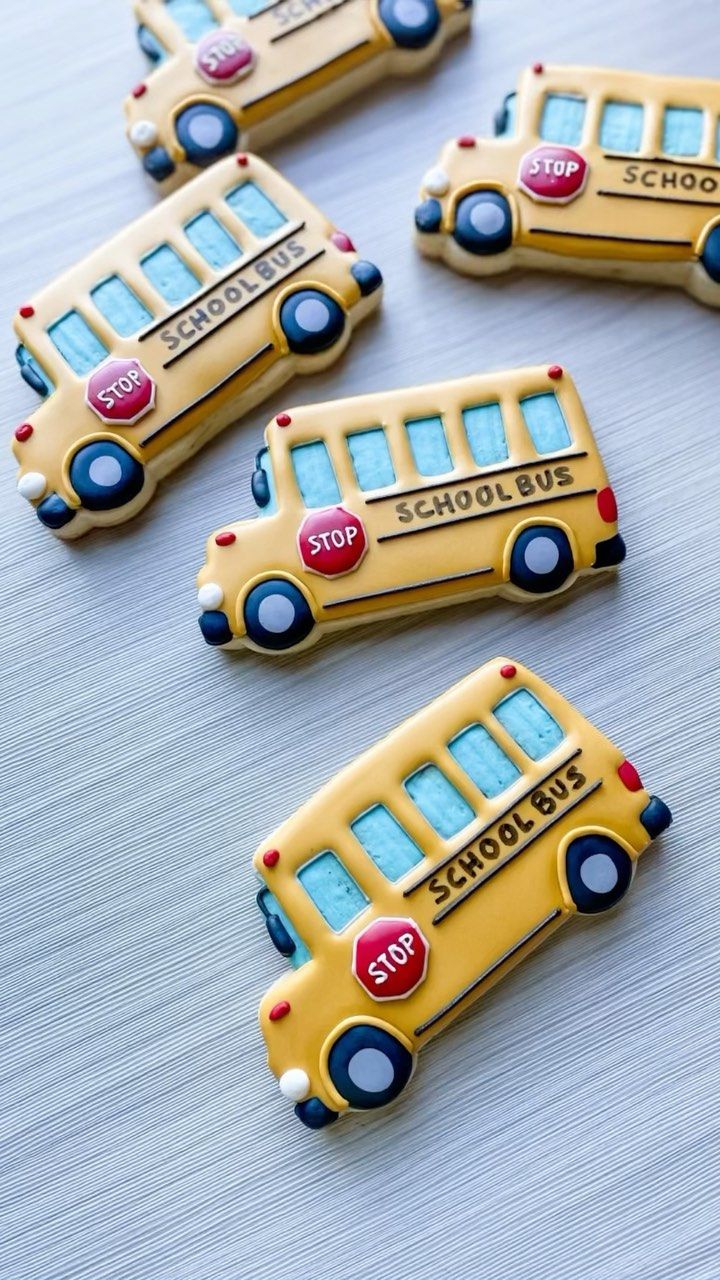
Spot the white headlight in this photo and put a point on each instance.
(210, 596)
(294, 1084)
(436, 182)
(143, 133)
(32, 485)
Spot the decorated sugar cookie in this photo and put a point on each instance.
(430, 867)
(236, 73)
(593, 171)
(172, 330)
(405, 500)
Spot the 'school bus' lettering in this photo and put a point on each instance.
(171, 331)
(512, 490)
(427, 869)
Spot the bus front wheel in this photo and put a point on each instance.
(105, 476)
(413, 24)
(277, 615)
(206, 132)
(312, 321)
(710, 256)
(369, 1067)
(483, 223)
(541, 560)
(598, 873)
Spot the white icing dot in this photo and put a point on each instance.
(143, 133)
(312, 315)
(436, 182)
(487, 219)
(32, 485)
(105, 471)
(412, 13)
(599, 873)
(542, 555)
(276, 614)
(210, 596)
(371, 1070)
(294, 1084)
(206, 130)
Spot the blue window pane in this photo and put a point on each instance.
(389, 845)
(546, 422)
(192, 16)
(264, 464)
(120, 306)
(255, 210)
(621, 126)
(271, 907)
(562, 118)
(429, 446)
(682, 131)
(209, 237)
(526, 720)
(439, 801)
(77, 343)
(36, 375)
(336, 895)
(248, 7)
(314, 474)
(371, 458)
(477, 752)
(167, 273)
(486, 433)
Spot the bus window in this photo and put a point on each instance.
(77, 343)
(120, 306)
(314, 474)
(682, 131)
(486, 433)
(338, 897)
(621, 126)
(429, 446)
(32, 372)
(562, 118)
(254, 209)
(485, 763)
(212, 241)
(529, 724)
(388, 844)
(263, 484)
(371, 459)
(439, 801)
(248, 8)
(545, 421)
(192, 16)
(270, 906)
(167, 273)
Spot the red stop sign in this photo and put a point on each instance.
(332, 542)
(553, 174)
(390, 958)
(120, 391)
(222, 56)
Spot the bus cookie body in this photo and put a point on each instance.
(387, 503)
(427, 869)
(173, 329)
(607, 173)
(237, 73)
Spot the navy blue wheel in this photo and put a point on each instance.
(105, 476)
(541, 560)
(215, 627)
(411, 23)
(54, 512)
(710, 256)
(206, 132)
(314, 1114)
(369, 1067)
(483, 223)
(311, 321)
(598, 873)
(277, 615)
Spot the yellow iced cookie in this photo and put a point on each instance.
(404, 500)
(593, 171)
(430, 867)
(235, 73)
(173, 329)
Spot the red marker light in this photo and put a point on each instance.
(607, 506)
(27, 312)
(242, 159)
(555, 371)
(271, 857)
(225, 539)
(342, 241)
(538, 68)
(139, 90)
(283, 419)
(508, 671)
(279, 1010)
(24, 431)
(466, 140)
(629, 776)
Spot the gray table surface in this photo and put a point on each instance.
(568, 1126)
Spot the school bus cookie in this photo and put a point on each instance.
(430, 867)
(236, 73)
(173, 329)
(593, 171)
(394, 502)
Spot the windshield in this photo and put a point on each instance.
(32, 372)
(505, 117)
(263, 484)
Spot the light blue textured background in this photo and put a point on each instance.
(568, 1128)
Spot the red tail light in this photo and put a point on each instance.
(607, 506)
(342, 241)
(629, 776)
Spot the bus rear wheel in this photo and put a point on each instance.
(413, 24)
(277, 615)
(105, 476)
(312, 321)
(369, 1067)
(710, 256)
(541, 559)
(206, 132)
(483, 223)
(598, 873)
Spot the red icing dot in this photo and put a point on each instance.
(508, 671)
(139, 90)
(24, 431)
(242, 159)
(271, 857)
(283, 419)
(555, 371)
(538, 68)
(342, 241)
(279, 1010)
(225, 539)
(27, 311)
(466, 140)
(629, 776)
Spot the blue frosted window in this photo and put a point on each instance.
(389, 845)
(249, 7)
(524, 717)
(33, 372)
(120, 306)
(209, 237)
(562, 118)
(439, 801)
(546, 422)
(621, 126)
(271, 907)
(486, 433)
(477, 752)
(371, 459)
(167, 273)
(77, 342)
(682, 131)
(264, 464)
(192, 16)
(429, 446)
(314, 474)
(336, 895)
(255, 210)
